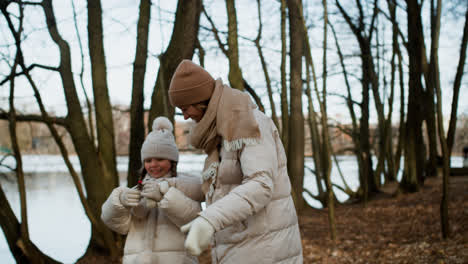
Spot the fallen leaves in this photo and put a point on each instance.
(391, 229)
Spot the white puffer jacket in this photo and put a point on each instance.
(251, 207)
(153, 234)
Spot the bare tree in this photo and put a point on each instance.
(435, 19)
(369, 80)
(264, 66)
(137, 124)
(104, 121)
(413, 173)
(17, 234)
(284, 86)
(296, 125)
(457, 85)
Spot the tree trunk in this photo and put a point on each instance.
(432, 78)
(235, 73)
(103, 108)
(181, 46)
(296, 126)
(98, 182)
(456, 87)
(402, 125)
(137, 124)
(413, 173)
(318, 147)
(444, 220)
(325, 134)
(392, 173)
(314, 133)
(350, 104)
(284, 86)
(366, 175)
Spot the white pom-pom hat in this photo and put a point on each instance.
(160, 142)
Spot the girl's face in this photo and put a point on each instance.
(190, 111)
(157, 167)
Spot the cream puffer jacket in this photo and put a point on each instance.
(153, 234)
(251, 208)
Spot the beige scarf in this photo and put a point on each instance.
(229, 118)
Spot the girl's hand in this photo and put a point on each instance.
(152, 191)
(164, 187)
(129, 197)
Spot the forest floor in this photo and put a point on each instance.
(392, 228)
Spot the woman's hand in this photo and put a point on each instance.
(200, 232)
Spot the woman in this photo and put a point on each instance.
(250, 215)
(152, 216)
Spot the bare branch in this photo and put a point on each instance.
(215, 31)
(35, 118)
(28, 69)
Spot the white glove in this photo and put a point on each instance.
(129, 197)
(163, 187)
(151, 191)
(200, 232)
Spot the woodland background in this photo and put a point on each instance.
(381, 78)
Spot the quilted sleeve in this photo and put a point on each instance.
(179, 208)
(114, 214)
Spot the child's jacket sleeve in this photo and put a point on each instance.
(114, 214)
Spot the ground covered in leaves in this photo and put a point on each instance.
(392, 228)
(402, 228)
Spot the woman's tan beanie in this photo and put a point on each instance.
(190, 84)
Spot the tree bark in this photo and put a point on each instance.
(432, 80)
(137, 124)
(284, 86)
(103, 108)
(296, 126)
(414, 149)
(235, 72)
(325, 134)
(444, 217)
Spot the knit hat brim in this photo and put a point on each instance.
(190, 95)
(190, 84)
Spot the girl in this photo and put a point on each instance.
(152, 212)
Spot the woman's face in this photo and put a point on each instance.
(157, 167)
(190, 111)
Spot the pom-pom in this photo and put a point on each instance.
(161, 123)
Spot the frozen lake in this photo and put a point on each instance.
(57, 222)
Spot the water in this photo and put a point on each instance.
(57, 222)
